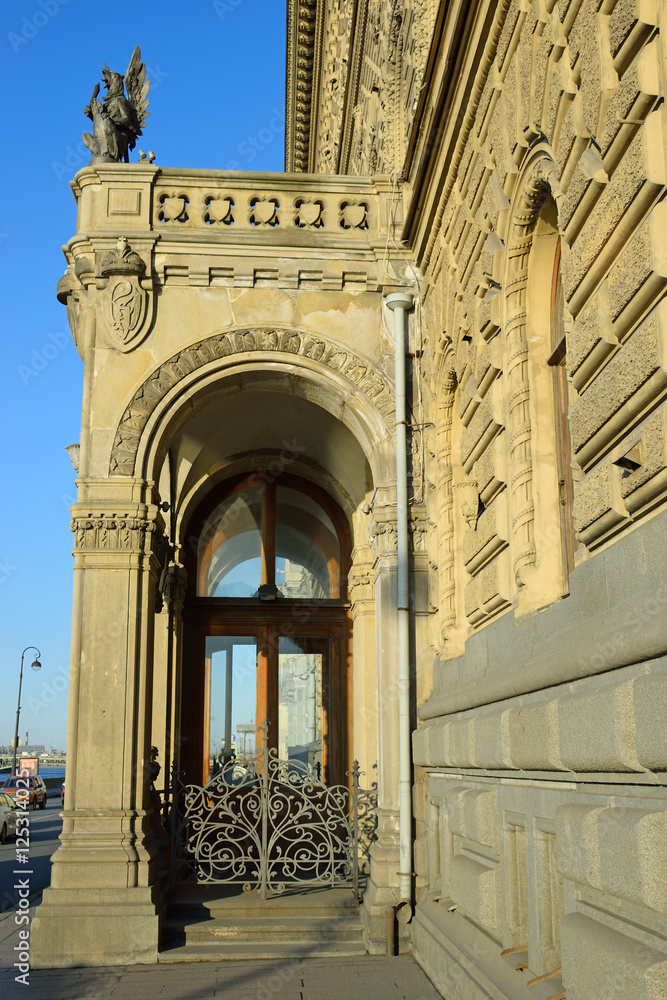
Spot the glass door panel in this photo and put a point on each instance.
(231, 700)
(230, 546)
(301, 682)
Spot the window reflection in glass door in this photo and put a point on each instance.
(301, 680)
(231, 699)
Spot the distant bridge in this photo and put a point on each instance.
(6, 761)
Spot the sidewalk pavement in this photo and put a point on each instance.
(363, 977)
(358, 978)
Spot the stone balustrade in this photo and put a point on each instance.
(278, 209)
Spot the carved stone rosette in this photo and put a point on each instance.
(125, 303)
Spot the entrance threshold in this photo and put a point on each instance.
(218, 923)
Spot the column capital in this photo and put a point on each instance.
(118, 526)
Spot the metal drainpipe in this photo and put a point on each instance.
(399, 303)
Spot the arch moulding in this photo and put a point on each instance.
(539, 180)
(231, 347)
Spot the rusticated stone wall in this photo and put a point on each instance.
(532, 156)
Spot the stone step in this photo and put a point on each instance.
(237, 951)
(258, 929)
(198, 905)
(213, 911)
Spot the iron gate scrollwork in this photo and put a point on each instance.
(267, 824)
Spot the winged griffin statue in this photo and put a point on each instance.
(118, 119)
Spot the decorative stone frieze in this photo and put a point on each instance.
(111, 531)
(360, 372)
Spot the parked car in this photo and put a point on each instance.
(62, 792)
(33, 786)
(8, 810)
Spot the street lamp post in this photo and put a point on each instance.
(36, 665)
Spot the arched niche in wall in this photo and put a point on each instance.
(536, 394)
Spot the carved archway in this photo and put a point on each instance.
(237, 345)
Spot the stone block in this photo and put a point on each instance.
(650, 696)
(491, 740)
(533, 734)
(601, 963)
(479, 816)
(593, 497)
(471, 813)
(633, 855)
(628, 370)
(577, 843)
(460, 743)
(597, 729)
(420, 748)
(472, 886)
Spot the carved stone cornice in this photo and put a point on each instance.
(302, 19)
(368, 379)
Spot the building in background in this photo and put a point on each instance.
(501, 166)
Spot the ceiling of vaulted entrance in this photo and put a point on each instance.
(264, 420)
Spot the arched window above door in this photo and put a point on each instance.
(270, 539)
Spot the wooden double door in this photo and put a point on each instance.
(276, 675)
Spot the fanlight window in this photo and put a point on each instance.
(268, 540)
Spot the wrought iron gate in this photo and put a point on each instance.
(268, 824)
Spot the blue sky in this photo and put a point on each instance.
(217, 100)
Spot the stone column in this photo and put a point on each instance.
(382, 891)
(101, 907)
(364, 685)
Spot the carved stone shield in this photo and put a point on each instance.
(309, 213)
(219, 210)
(173, 209)
(125, 304)
(354, 216)
(264, 211)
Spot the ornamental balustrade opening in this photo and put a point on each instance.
(268, 824)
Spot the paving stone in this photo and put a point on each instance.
(304, 979)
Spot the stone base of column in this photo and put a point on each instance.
(382, 892)
(95, 927)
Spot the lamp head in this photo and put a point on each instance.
(36, 665)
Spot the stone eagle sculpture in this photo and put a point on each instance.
(118, 119)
